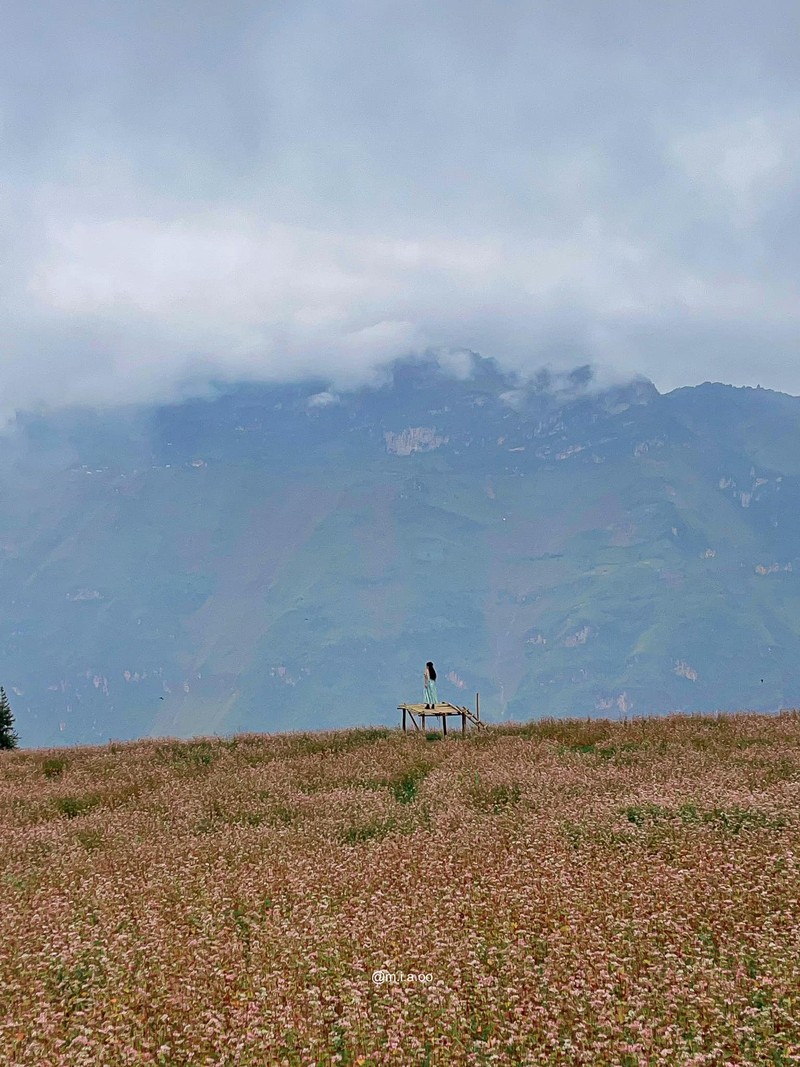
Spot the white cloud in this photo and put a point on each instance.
(316, 191)
(250, 298)
(324, 399)
(741, 161)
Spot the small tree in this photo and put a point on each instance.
(8, 737)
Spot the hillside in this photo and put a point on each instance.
(586, 892)
(281, 557)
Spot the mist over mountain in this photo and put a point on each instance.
(281, 557)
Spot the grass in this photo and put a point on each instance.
(405, 785)
(730, 820)
(493, 798)
(580, 892)
(73, 806)
(54, 767)
(369, 831)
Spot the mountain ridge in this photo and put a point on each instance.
(288, 556)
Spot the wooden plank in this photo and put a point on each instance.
(474, 721)
(442, 709)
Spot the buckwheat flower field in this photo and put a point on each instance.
(557, 893)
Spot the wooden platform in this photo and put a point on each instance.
(442, 711)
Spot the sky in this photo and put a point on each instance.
(197, 191)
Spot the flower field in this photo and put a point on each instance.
(556, 893)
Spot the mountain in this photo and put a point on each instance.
(280, 557)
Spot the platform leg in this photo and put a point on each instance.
(404, 720)
(463, 724)
(444, 725)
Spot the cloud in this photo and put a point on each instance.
(324, 399)
(313, 189)
(741, 164)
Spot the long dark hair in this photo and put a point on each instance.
(431, 670)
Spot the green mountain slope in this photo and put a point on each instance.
(277, 557)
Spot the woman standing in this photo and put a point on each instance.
(429, 682)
